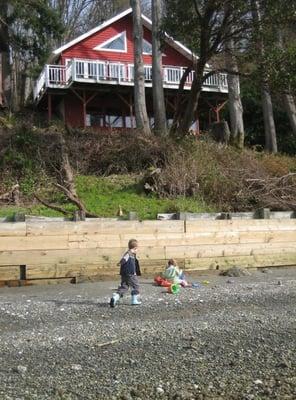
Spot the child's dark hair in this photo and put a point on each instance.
(132, 244)
(172, 261)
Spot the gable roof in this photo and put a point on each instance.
(146, 22)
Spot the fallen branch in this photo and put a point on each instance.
(73, 198)
(68, 188)
(275, 191)
(52, 206)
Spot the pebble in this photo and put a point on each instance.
(21, 369)
(258, 382)
(159, 390)
(76, 367)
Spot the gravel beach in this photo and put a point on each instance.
(230, 338)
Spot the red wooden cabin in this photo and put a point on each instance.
(91, 84)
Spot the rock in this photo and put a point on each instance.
(235, 272)
(159, 390)
(265, 271)
(21, 369)
(258, 382)
(76, 367)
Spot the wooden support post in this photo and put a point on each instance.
(84, 109)
(49, 107)
(262, 213)
(84, 102)
(197, 126)
(23, 272)
(216, 109)
(217, 112)
(172, 105)
(133, 216)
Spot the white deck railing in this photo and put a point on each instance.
(61, 76)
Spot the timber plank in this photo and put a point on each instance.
(240, 225)
(56, 281)
(34, 243)
(74, 256)
(114, 241)
(252, 261)
(71, 256)
(9, 272)
(67, 271)
(181, 239)
(109, 268)
(12, 229)
(201, 251)
(102, 227)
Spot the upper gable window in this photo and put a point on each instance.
(147, 47)
(116, 43)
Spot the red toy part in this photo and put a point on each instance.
(162, 282)
(165, 283)
(158, 280)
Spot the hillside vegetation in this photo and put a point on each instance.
(148, 175)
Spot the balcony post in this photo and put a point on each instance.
(47, 76)
(74, 69)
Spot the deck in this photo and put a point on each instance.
(116, 73)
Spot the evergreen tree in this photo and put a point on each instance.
(29, 36)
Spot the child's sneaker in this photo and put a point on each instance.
(114, 299)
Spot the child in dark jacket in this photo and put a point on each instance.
(129, 271)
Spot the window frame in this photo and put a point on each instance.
(100, 47)
(144, 52)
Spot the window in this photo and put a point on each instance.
(116, 43)
(130, 122)
(114, 121)
(94, 119)
(147, 47)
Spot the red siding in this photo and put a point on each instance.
(84, 49)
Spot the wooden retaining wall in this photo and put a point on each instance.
(48, 252)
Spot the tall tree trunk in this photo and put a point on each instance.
(15, 84)
(178, 111)
(289, 102)
(193, 99)
(160, 125)
(269, 125)
(290, 107)
(5, 71)
(142, 121)
(237, 132)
